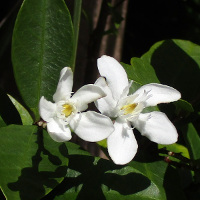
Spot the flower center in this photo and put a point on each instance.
(67, 110)
(128, 109)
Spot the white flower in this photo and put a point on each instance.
(127, 111)
(65, 113)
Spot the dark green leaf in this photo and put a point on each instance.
(42, 45)
(177, 64)
(94, 178)
(183, 108)
(31, 163)
(193, 140)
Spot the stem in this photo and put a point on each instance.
(76, 23)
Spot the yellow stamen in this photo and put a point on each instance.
(68, 109)
(128, 109)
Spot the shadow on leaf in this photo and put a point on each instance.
(88, 178)
(34, 180)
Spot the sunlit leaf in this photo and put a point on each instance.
(141, 71)
(24, 114)
(176, 148)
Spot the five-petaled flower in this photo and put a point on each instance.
(65, 113)
(127, 111)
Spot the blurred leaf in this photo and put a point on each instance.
(42, 45)
(8, 111)
(177, 64)
(103, 143)
(193, 141)
(24, 114)
(31, 163)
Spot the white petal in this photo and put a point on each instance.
(106, 105)
(58, 131)
(157, 127)
(157, 93)
(87, 94)
(122, 145)
(115, 75)
(64, 88)
(91, 126)
(46, 109)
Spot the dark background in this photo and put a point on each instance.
(146, 22)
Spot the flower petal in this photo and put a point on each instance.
(64, 88)
(115, 75)
(106, 105)
(157, 127)
(46, 109)
(58, 131)
(91, 126)
(122, 145)
(87, 94)
(157, 93)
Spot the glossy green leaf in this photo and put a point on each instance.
(31, 163)
(177, 64)
(42, 45)
(24, 114)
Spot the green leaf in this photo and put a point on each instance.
(193, 141)
(31, 163)
(176, 148)
(105, 180)
(177, 64)
(42, 45)
(140, 71)
(183, 108)
(24, 114)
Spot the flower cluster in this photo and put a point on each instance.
(111, 96)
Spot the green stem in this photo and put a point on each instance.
(76, 23)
